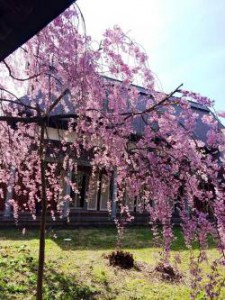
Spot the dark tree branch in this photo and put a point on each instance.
(152, 108)
(16, 78)
(57, 101)
(18, 102)
(25, 120)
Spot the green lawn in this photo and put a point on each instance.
(77, 268)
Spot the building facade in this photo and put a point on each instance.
(99, 205)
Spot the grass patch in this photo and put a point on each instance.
(76, 267)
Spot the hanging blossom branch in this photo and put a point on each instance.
(39, 118)
(163, 159)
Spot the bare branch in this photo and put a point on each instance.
(16, 78)
(152, 108)
(18, 102)
(57, 101)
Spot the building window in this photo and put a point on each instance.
(93, 191)
(78, 197)
(105, 192)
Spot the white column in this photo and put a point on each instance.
(9, 193)
(67, 189)
(114, 193)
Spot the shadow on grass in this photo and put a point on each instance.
(18, 278)
(99, 238)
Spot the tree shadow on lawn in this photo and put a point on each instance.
(105, 239)
(99, 238)
(18, 276)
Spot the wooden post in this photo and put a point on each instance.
(39, 295)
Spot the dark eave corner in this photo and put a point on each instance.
(22, 19)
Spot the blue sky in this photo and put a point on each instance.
(185, 39)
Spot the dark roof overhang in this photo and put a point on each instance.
(20, 20)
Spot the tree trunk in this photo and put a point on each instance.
(41, 262)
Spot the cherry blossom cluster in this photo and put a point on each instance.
(148, 137)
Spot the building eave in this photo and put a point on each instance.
(20, 20)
